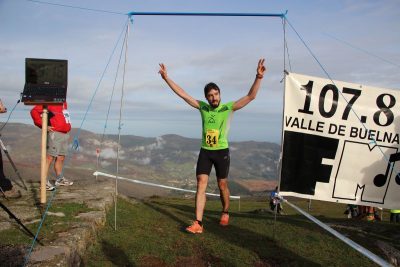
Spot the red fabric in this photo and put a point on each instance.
(57, 119)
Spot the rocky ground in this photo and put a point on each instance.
(68, 246)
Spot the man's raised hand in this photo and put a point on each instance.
(261, 68)
(3, 109)
(163, 71)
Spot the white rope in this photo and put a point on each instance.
(156, 185)
(100, 149)
(119, 125)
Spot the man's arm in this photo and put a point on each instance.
(36, 114)
(254, 88)
(176, 88)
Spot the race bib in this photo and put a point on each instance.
(212, 137)
(66, 116)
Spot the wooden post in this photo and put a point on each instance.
(43, 170)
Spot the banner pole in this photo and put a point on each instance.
(273, 229)
(43, 166)
(283, 108)
(134, 13)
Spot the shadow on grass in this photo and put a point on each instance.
(116, 255)
(169, 214)
(35, 193)
(204, 256)
(269, 252)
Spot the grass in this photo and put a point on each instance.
(51, 227)
(151, 233)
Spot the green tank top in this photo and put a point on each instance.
(216, 123)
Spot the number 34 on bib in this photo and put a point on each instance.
(212, 137)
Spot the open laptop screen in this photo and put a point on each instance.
(52, 72)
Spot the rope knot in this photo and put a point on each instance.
(75, 144)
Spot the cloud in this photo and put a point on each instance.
(196, 51)
(159, 144)
(110, 153)
(372, 8)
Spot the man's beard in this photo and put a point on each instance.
(214, 105)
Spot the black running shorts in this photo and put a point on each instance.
(219, 158)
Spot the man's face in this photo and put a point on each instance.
(213, 98)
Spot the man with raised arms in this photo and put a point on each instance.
(214, 146)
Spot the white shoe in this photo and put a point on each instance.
(64, 182)
(49, 186)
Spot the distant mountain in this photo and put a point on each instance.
(168, 159)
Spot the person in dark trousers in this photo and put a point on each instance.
(395, 216)
(275, 201)
(351, 211)
(214, 150)
(7, 189)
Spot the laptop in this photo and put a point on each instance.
(46, 81)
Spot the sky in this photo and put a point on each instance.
(355, 41)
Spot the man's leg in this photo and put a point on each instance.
(58, 165)
(7, 189)
(202, 180)
(48, 163)
(224, 193)
(2, 176)
(197, 226)
(51, 152)
(49, 160)
(221, 164)
(5, 183)
(203, 169)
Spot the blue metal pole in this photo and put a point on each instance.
(133, 13)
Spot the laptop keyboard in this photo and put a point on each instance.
(44, 91)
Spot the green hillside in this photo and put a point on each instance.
(168, 159)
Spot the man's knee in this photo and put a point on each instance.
(202, 181)
(60, 159)
(223, 184)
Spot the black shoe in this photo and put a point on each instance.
(12, 193)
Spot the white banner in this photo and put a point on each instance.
(341, 143)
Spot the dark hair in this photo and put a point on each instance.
(209, 87)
